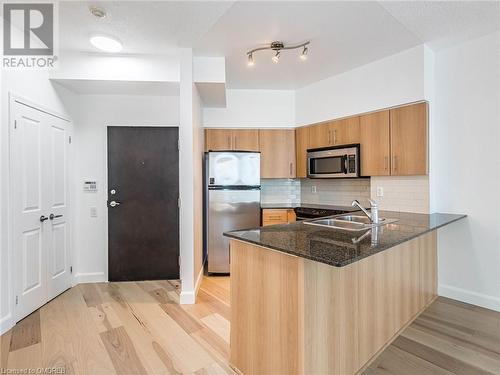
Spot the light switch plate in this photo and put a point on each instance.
(93, 211)
(313, 189)
(380, 191)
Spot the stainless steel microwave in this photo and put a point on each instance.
(333, 162)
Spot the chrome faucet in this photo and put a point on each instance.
(373, 214)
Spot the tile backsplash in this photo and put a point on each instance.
(335, 192)
(402, 193)
(280, 191)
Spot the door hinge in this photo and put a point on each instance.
(15, 124)
(69, 138)
(17, 300)
(70, 269)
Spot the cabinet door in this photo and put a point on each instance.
(277, 159)
(218, 140)
(408, 127)
(320, 135)
(375, 145)
(246, 140)
(301, 146)
(345, 131)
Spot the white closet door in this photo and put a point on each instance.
(39, 175)
(58, 267)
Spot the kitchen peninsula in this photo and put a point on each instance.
(313, 300)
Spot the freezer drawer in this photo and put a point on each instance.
(228, 210)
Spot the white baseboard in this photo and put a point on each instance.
(479, 299)
(187, 297)
(6, 323)
(90, 277)
(199, 279)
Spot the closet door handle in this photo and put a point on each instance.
(43, 218)
(52, 216)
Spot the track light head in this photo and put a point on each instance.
(303, 55)
(276, 58)
(250, 62)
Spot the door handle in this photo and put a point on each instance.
(114, 204)
(52, 216)
(43, 218)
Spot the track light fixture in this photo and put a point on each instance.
(278, 47)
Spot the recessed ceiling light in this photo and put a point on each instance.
(106, 43)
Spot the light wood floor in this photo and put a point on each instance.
(139, 328)
(125, 328)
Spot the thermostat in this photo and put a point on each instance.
(89, 186)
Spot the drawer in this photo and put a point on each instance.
(276, 216)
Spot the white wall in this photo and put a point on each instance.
(34, 86)
(465, 163)
(93, 114)
(253, 108)
(394, 80)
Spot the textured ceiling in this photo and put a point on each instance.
(343, 35)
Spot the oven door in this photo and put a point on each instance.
(333, 163)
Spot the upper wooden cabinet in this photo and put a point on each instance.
(231, 139)
(334, 133)
(277, 159)
(301, 146)
(246, 140)
(375, 145)
(394, 142)
(218, 140)
(408, 126)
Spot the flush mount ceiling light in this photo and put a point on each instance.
(278, 47)
(106, 43)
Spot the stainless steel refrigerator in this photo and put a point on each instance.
(232, 201)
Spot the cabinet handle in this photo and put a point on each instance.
(234, 143)
(228, 142)
(329, 137)
(395, 162)
(386, 163)
(291, 169)
(335, 136)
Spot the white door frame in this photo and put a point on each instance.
(13, 283)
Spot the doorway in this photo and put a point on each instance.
(143, 208)
(39, 205)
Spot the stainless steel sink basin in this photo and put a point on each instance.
(353, 223)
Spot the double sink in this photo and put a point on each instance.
(352, 223)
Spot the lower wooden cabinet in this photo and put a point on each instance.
(295, 316)
(273, 216)
(277, 158)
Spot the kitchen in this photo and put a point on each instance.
(306, 124)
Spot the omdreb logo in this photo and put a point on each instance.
(28, 32)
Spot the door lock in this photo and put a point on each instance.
(114, 204)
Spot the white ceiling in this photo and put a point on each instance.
(343, 35)
(107, 87)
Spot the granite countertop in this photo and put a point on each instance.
(336, 247)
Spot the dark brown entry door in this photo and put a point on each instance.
(143, 221)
